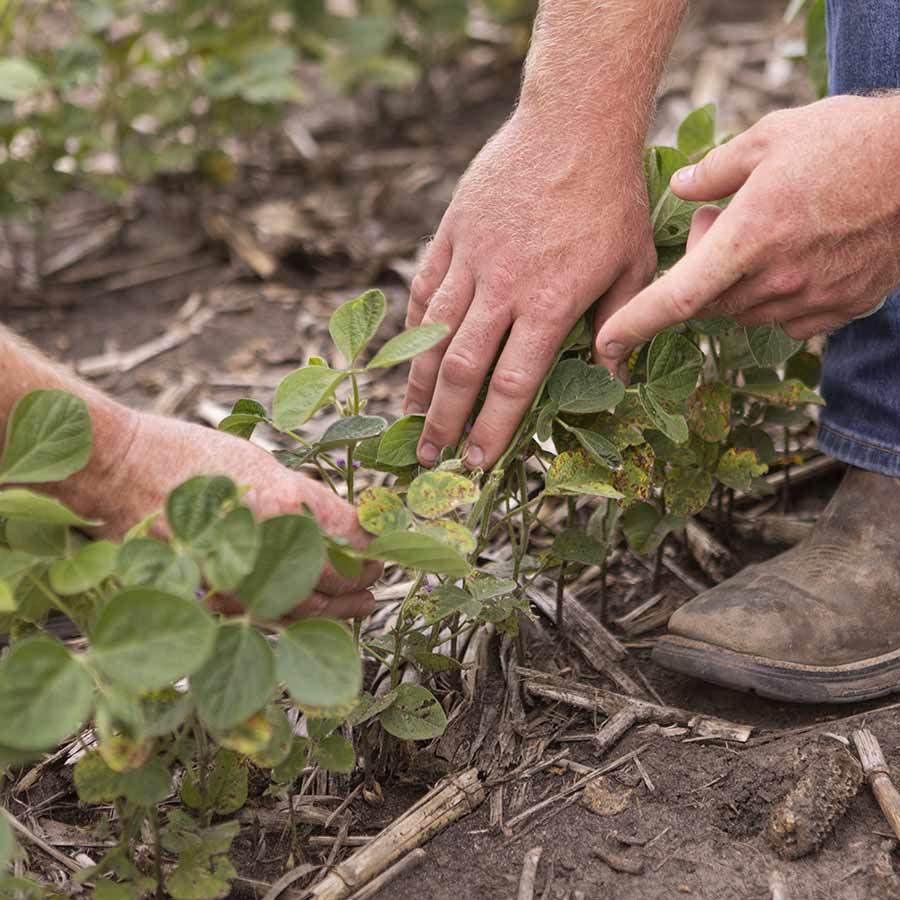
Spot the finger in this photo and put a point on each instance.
(625, 288)
(701, 222)
(348, 606)
(723, 170)
(784, 309)
(522, 366)
(431, 272)
(463, 371)
(334, 584)
(448, 305)
(691, 284)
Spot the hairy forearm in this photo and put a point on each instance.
(24, 369)
(594, 65)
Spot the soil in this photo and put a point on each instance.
(358, 209)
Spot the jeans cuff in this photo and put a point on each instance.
(859, 451)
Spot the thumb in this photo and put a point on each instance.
(722, 171)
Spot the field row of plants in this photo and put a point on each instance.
(113, 93)
(182, 704)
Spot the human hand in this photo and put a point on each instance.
(163, 453)
(811, 238)
(543, 223)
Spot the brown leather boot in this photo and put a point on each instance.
(818, 624)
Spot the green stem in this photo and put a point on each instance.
(355, 386)
(350, 473)
(157, 854)
(59, 604)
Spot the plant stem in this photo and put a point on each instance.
(355, 386)
(202, 765)
(350, 472)
(560, 598)
(657, 567)
(604, 611)
(786, 489)
(59, 604)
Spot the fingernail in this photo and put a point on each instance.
(415, 409)
(683, 176)
(474, 456)
(428, 453)
(614, 349)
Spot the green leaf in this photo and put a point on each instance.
(145, 561)
(770, 346)
(281, 736)
(447, 600)
(574, 545)
(7, 843)
(148, 785)
(319, 663)
(817, 46)
(45, 695)
(95, 781)
(145, 639)
(418, 551)
(368, 707)
(738, 468)
(398, 444)
(709, 411)
(673, 366)
(415, 714)
(37, 538)
(245, 416)
(343, 558)
(758, 440)
(697, 133)
(7, 598)
(196, 505)
(575, 472)
(381, 510)
(434, 494)
(449, 532)
(597, 446)
(687, 490)
(408, 344)
(48, 435)
(581, 388)
(645, 527)
(634, 477)
(19, 79)
(288, 565)
(20, 503)
(336, 754)
(14, 564)
(673, 425)
(350, 430)
(226, 785)
(486, 587)
(354, 323)
(88, 568)
(238, 678)
(787, 393)
(805, 367)
(302, 393)
(294, 763)
(230, 547)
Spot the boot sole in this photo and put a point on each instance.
(793, 682)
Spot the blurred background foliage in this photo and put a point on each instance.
(109, 94)
(112, 93)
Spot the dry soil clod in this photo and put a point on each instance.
(800, 823)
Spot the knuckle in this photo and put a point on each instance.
(501, 280)
(801, 330)
(785, 282)
(422, 287)
(681, 304)
(511, 381)
(459, 367)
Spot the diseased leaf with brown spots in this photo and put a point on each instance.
(575, 472)
(381, 510)
(449, 532)
(738, 468)
(686, 490)
(632, 478)
(790, 393)
(709, 411)
(434, 494)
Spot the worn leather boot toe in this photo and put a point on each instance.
(818, 624)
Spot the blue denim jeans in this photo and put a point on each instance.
(861, 377)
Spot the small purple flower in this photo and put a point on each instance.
(357, 464)
(342, 462)
(427, 588)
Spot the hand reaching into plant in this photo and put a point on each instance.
(810, 239)
(163, 453)
(551, 215)
(138, 459)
